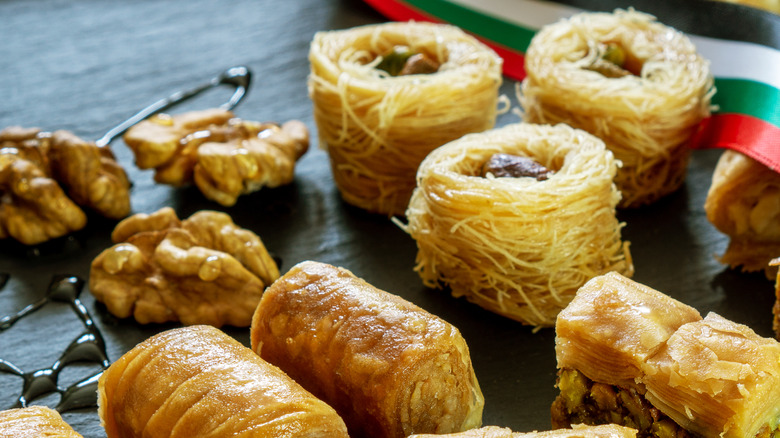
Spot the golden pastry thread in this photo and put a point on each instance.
(517, 246)
(646, 119)
(377, 128)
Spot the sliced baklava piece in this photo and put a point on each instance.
(628, 354)
(717, 378)
(614, 325)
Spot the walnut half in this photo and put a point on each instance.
(202, 270)
(46, 177)
(224, 156)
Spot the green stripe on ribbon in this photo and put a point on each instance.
(744, 96)
(740, 96)
(510, 35)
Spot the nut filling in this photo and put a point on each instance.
(583, 401)
(514, 166)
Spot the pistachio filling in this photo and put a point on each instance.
(402, 61)
(615, 61)
(583, 401)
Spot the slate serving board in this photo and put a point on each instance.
(86, 65)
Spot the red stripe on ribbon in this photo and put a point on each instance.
(514, 61)
(745, 134)
(399, 11)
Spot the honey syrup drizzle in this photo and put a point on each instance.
(89, 346)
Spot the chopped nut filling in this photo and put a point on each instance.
(506, 165)
(583, 401)
(402, 61)
(615, 61)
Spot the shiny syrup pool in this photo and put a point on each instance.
(87, 347)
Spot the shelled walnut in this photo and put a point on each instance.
(46, 177)
(224, 156)
(201, 270)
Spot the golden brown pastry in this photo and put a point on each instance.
(635, 83)
(224, 156)
(378, 124)
(389, 368)
(630, 355)
(199, 382)
(776, 308)
(744, 203)
(519, 246)
(202, 270)
(45, 177)
(34, 422)
(577, 431)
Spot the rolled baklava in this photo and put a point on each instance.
(630, 355)
(578, 431)
(743, 202)
(33, 422)
(516, 219)
(388, 367)
(635, 83)
(199, 382)
(385, 95)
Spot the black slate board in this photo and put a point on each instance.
(86, 65)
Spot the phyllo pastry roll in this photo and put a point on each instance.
(692, 377)
(578, 431)
(744, 203)
(388, 367)
(516, 219)
(385, 95)
(637, 84)
(199, 382)
(34, 422)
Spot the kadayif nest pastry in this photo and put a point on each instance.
(635, 83)
(630, 355)
(385, 95)
(518, 245)
(388, 367)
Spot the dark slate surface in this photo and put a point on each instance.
(87, 65)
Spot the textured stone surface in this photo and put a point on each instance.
(87, 65)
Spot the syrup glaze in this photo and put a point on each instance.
(88, 346)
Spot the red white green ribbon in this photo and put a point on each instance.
(746, 68)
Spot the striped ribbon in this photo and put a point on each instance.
(742, 43)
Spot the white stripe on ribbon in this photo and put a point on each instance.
(729, 59)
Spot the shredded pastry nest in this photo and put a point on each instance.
(378, 128)
(646, 120)
(517, 246)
